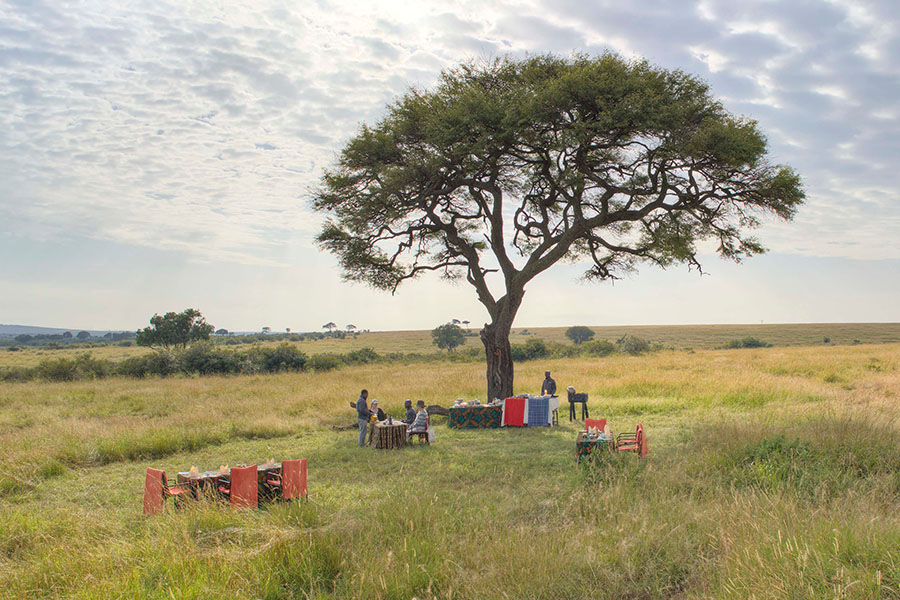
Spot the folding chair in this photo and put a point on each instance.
(598, 423)
(157, 489)
(633, 442)
(241, 488)
(422, 435)
(291, 482)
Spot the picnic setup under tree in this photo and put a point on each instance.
(509, 167)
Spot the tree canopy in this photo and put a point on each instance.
(579, 334)
(174, 329)
(448, 336)
(507, 168)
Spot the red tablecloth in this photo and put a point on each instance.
(514, 415)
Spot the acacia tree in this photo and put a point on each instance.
(505, 169)
(174, 329)
(448, 336)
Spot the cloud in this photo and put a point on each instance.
(200, 128)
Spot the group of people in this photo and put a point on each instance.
(416, 420)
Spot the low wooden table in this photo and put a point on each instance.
(208, 480)
(586, 447)
(390, 437)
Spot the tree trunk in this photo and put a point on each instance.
(495, 337)
(499, 360)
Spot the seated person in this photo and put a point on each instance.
(421, 421)
(377, 412)
(410, 413)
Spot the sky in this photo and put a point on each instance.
(161, 155)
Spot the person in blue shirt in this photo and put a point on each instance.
(410, 413)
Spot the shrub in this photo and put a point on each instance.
(17, 374)
(530, 350)
(204, 358)
(324, 362)
(60, 369)
(599, 348)
(747, 342)
(160, 363)
(558, 350)
(361, 356)
(633, 345)
(284, 357)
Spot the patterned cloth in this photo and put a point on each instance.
(472, 417)
(538, 411)
(585, 447)
(421, 422)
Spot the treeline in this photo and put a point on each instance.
(55, 341)
(206, 358)
(66, 339)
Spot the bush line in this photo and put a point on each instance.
(205, 358)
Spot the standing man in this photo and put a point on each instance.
(362, 416)
(548, 388)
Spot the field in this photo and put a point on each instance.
(774, 473)
(672, 336)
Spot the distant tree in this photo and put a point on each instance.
(521, 164)
(579, 334)
(83, 335)
(67, 335)
(266, 329)
(466, 323)
(455, 321)
(351, 327)
(174, 329)
(23, 338)
(447, 337)
(221, 332)
(633, 345)
(330, 326)
(287, 329)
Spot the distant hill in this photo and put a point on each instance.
(14, 330)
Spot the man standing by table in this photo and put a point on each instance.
(362, 416)
(548, 388)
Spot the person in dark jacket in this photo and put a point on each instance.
(548, 388)
(362, 416)
(410, 413)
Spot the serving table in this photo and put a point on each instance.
(475, 416)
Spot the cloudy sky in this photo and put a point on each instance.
(159, 155)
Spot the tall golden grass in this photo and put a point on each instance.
(774, 473)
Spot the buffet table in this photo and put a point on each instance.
(475, 416)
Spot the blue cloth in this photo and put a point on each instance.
(538, 411)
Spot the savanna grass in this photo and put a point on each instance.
(765, 480)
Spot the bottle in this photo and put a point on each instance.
(390, 420)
